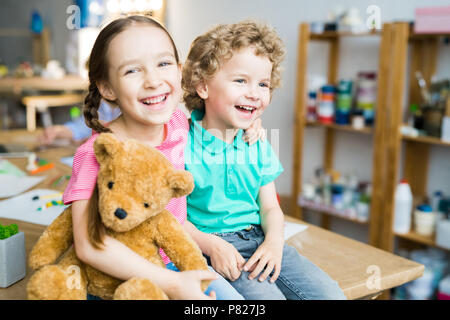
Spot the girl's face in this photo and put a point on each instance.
(144, 76)
(239, 92)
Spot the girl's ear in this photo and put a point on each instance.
(202, 90)
(105, 90)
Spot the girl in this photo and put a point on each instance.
(134, 64)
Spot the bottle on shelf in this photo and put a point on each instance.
(344, 102)
(366, 95)
(326, 107)
(403, 207)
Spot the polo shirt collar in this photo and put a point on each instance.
(208, 141)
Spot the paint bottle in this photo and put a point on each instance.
(403, 207)
(326, 108)
(366, 95)
(312, 106)
(344, 102)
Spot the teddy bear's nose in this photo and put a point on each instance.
(120, 213)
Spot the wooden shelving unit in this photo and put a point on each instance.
(333, 39)
(424, 50)
(387, 138)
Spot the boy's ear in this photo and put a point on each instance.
(105, 90)
(202, 90)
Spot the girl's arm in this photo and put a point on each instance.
(268, 256)
(225, 259)
(119, 261)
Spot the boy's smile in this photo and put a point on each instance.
(238, 93)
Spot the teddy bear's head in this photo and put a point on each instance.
(135, 182)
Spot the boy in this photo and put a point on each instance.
(233, 212)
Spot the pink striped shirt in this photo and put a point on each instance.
(85, 167)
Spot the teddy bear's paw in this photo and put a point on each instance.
(139, 289)
(52, 283)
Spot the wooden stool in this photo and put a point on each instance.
(33, 103)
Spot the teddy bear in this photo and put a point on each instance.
(134, 184)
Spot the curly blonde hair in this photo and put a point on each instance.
(214, 48)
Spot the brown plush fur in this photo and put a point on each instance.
(144, 181)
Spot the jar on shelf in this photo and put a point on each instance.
(366, 95)
(326, 107)
(344, 102)
(312, 106)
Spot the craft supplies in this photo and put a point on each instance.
(45, 167)
(312, 106)
(59, 181)
(326, 107)
(424, 220)
(444, 289)
(366, 95)
(50, 204)
(443, 233)
(47, 196)
(403, 206)
(344, 102)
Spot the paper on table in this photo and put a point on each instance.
(291, 229)
(11, 185)
(24, 208)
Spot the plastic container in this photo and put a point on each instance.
(327, 104)
(403, 207)
(344, 102)
(312, 106)
(366, 95)
(424, 220)
(444, 289)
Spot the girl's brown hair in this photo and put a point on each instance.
(98, 71)
(98, 64)
(211, 50)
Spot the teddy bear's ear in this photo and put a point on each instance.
(106, 145)
(181, 182)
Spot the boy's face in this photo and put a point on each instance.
(239, 92)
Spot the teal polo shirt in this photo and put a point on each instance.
(227, 179)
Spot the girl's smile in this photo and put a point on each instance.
(144, 77)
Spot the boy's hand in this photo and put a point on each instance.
(255, 132)
(226, 260)
(267, 257)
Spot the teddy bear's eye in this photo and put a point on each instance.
(110, 184)
(146, 205)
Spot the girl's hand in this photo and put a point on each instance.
(187, 285)
(267, 257)
(226, 260)
(255, 132)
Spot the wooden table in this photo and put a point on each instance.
(362, 271)
(67, 83)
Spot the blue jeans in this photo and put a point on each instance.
(222, 288)
(299, 279)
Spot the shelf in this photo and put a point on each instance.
(426, 240)
(365, 130)
(427, 139)
(328, 210)
(420, 36)
(328, 35)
